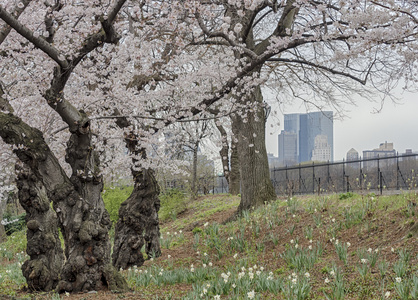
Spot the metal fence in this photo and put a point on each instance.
(378, 175)
(369, 175)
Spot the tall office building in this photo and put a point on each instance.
(307, 127)
(288, 150)
(322, 150)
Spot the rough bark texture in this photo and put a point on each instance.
(77, 202)
(86, 223)
(195, 185)
(224, 153)
(2, 232)
(43, 269)
(234, 177)
(138, 215)
(138, 223)
(256, 186)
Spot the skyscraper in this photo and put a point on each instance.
(288, 150)
(307, 127)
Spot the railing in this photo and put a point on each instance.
(377, 175)
(368, 175)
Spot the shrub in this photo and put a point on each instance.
(173, 201)
(345, 195)
(113, 198)
(13, 223)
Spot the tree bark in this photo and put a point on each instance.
(256, 186)
(77, 202)
(194, 171)
(42, 270)
(235, 173)
(138, 223)
(224, 153)
(86, 223)
(138, 215)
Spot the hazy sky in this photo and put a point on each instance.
(362, 129)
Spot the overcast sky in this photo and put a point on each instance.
(362, 129)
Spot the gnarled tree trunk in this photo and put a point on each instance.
(138, 215)
(86, 223)
(77, 201)
(138, 223)
(42, 270)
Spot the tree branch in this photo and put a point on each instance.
(5, 30)
(39, 42)
(330, 70)
(220, 34)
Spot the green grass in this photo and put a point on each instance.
(364, 248)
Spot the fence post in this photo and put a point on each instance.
(300, 181)
(378, 172)
(287, 182)
(348, 183)
(397, 170)
(222, 180)
(343, 175)
(328, 176)
(213, 190)
(313, 177)
(361, 175)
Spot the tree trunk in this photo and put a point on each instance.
(224, 153)
(138, 223)
(138, 215)
(76, 200)
(256, 186)
(235, 173)
(42, 270)
(194, 171)
(86, 223)
(2, 230)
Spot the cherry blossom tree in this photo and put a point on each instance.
(85, 80)
(319, 51)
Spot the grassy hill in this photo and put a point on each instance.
(343, 246)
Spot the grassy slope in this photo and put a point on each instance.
(268, 251)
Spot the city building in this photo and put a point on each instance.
(273, 161)
(288, 148)
(305, 128)
(385, 150)
(352, 154)
(322, 150)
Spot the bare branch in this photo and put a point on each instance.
(330, 70)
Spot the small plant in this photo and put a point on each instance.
(402, 288)
(337, 285)
(298, 287)
(196, 238)
(317, 220)
(345, 196)
(291, 229)
(383, 267)
(274, 239)
(341, 249)
(363, 267)
(414, 287)
(400, 267)
(309, 233)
